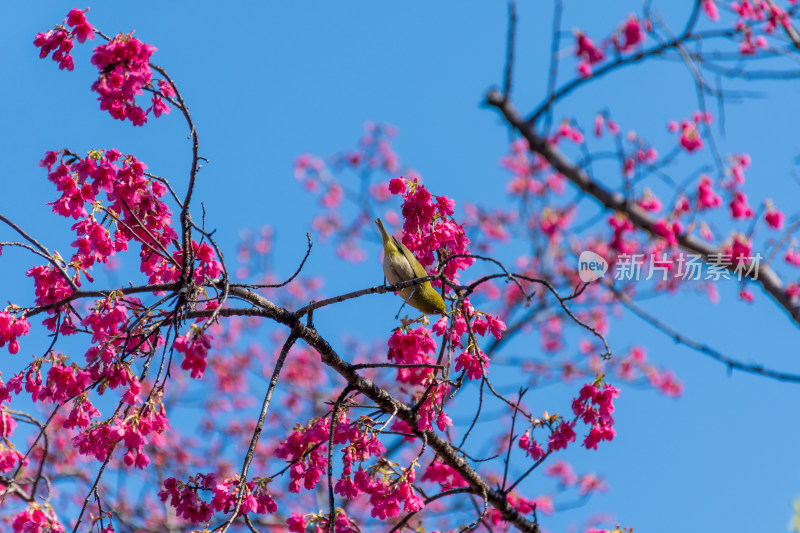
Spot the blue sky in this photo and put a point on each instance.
(268, 81)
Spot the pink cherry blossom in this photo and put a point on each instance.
(588, 52)
(124, 71)
(774, 218)
(690, 138)
(710, 8)
(739, 207)
(630, 35)
(707, 198)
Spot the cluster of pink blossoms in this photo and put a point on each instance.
(374, 154)
(751, 12)
(135, 210)
(124, 69)
(107, 323)
(416, 347)
(792, 257)
(428, 227)
(374, 151)
(123, 65)
(432, 409)
(620, 226)
(668, 230)
(315, 176)
(566, 476)
(11, 328)
(306, 448)
(194, 346)
(589, 53)
(66, 383)
(63, 382)
(362, 444)
(671, 227)
(625, 39)
(554, 222)
(412, 347)
(185, 498)
(633, 364)
(640, 156)
(387, 494)
(739, 207)
(629, 35)
(445, 475)
(37, 518)
(650, 202)
(135, 207)
(60, 42)
(690, 138)
(566, 130)
(563, 472)
(774, 217)
(601, 120)
(10, 458)
(524, 164)
(320, 523)
(376, 148)
(594, 406)
(257, 497)
(472, 359)
(101, 440)
(707, 197)
(204, 254)
(523, 505)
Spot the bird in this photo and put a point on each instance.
(399, 264)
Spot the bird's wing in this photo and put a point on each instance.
(419, 271)
(397, 268)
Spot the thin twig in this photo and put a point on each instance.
(273, 382)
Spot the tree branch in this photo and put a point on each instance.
(765, 276)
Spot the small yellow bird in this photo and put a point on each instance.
(399, 264)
